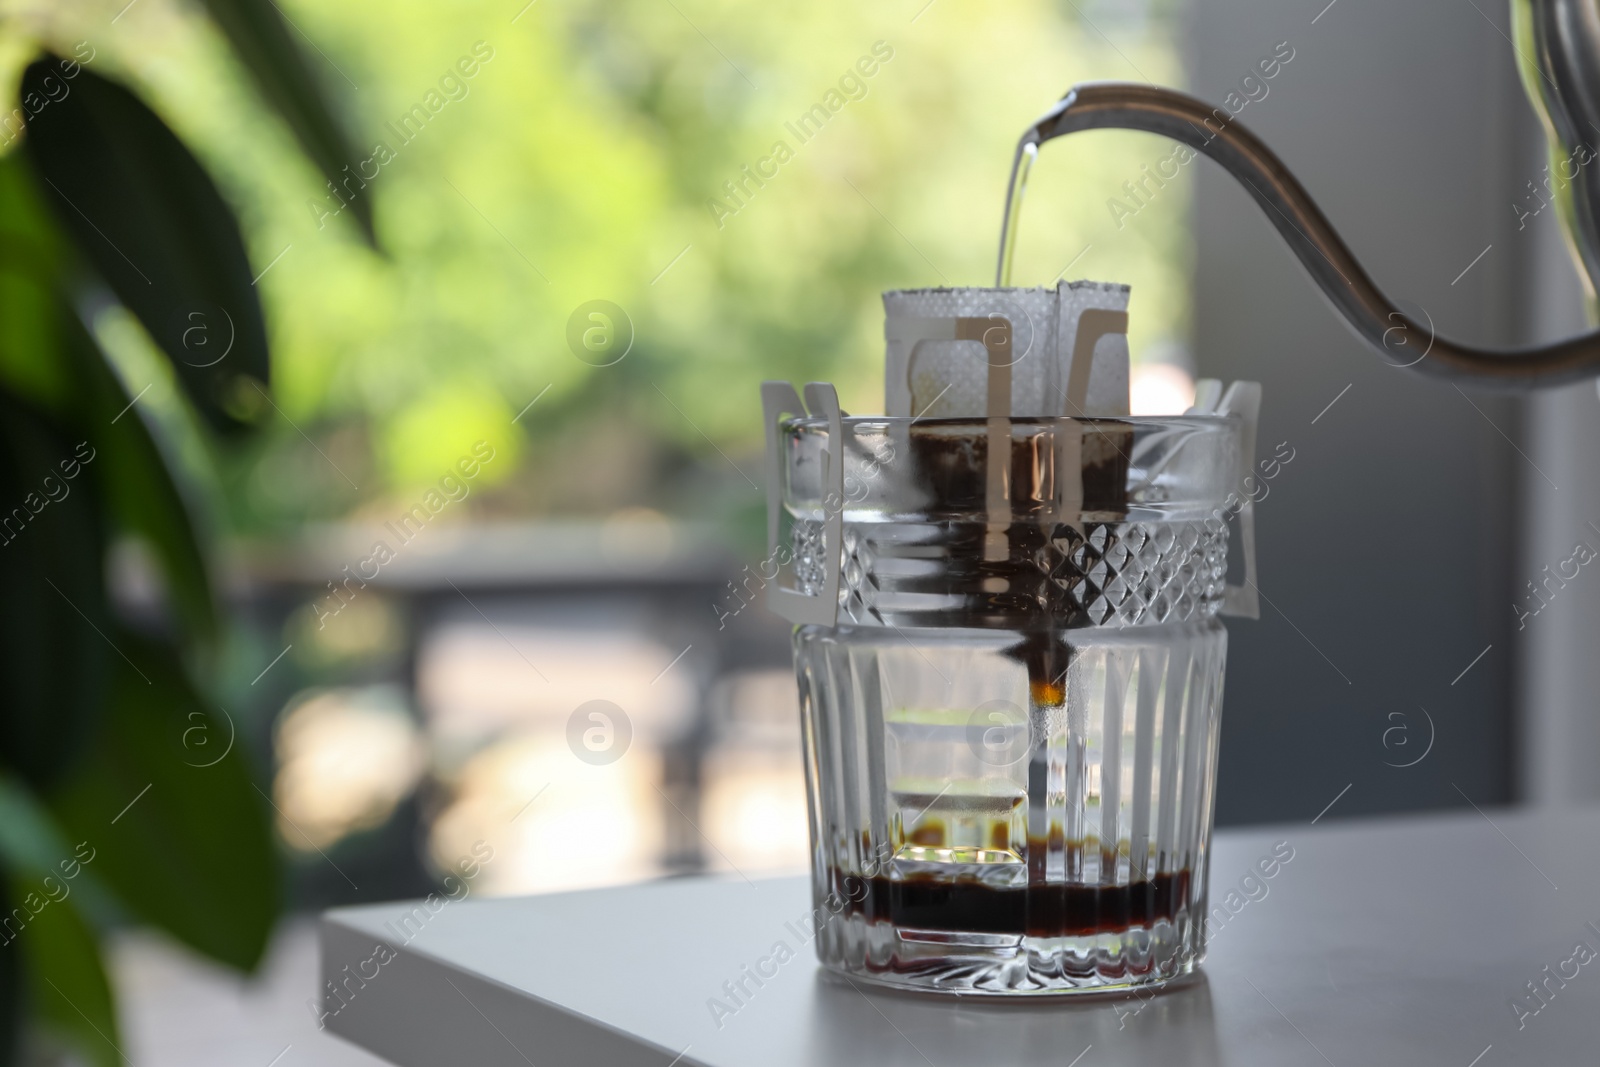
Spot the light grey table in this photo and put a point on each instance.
(1400, 941)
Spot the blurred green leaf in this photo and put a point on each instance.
(144, 212)
(262, 41)
(182, 836)
(53, 648)
(11, 979)
(31, 841)
(50, 357)
(142, 492)
(28, 837)
(29, 263)
(66, 981)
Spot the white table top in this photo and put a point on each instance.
(1402, 941)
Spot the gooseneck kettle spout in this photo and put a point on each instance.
(1398, 338)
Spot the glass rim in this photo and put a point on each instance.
(980, 423)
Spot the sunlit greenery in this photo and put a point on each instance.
(576, 163)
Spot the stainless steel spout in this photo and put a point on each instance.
(1564, 54)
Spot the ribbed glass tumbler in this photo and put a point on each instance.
(1011, 729)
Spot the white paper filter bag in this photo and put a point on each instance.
(979, 352)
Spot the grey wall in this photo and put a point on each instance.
(1386, 548)
(1559, 669)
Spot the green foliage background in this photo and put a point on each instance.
(577, 167)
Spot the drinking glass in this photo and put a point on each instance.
(1009, 700)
